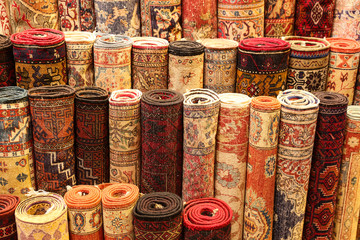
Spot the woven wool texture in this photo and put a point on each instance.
(52, 117)
(5, 21)
(279, 18)
(40, 58)
(125, 136)
(149, 63)
(161, 141)
(261, 167)
(231, 155)
(238, 20)
(262, 66)
(77, 15)
(201, 111)
(325, 166)
(8, 204)
(16, 156)
(7, 66)
(112, 62)
(79, 55)
(308, 63)
(299, 111)
(158, 215)
(92, 135)
(346, 19)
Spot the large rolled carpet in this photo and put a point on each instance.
(279, 18)
(299, 111)
(7, 65)
(77, 15)
(346, 19)
(5, 28)
(8, 204)
(325, 166)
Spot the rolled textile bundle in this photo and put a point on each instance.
(186, 65)
(80, 67)
(40, 58)
(220, 65)
(261, 167)
(343, 66)
(279, 18)
(158, 215)
(77, 15)
(8, 204)
(7, 66)
(231, 155)
(201, 111)
(112, 62)
(125, 136)
(5, 20)
(207, 218)
(262, 66)
(149, 63)
(308, 65)
(92, 135)
(118, 202)
(325, 166)
(52, 117)
(346, 19)
(85, 215)
(299, 112)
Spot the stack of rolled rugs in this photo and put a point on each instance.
(7, 66)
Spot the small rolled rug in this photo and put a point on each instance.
(279, 18)
(8, 204)
(125, 136)
(186, 65)
(149, 63)
(158, 215)
(325, 166)
(261, 168)
(112, 62)
(308, 64)
(201, 111)
(52, 117)
(77, 15)
(161, 141)
(343, 66)
(118, 202)
(40, 58)
(231, 155)
(85, 215)
(80, 67)
(7, 66)
(299, 112)
(5, 18)
(346, 19)
(92, 135)
(207, 218)
(262, 66)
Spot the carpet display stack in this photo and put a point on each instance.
(5, 22)
(8, 204)
(279, 18)
(77, 15)
(346, 19)
(7, 66)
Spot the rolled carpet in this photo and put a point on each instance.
(262, 66)
(8, 204)
(346, 19)
(40, 57)
(279, 18)
(158, 215)
(7, 66)
(5, 28)
(207, 218)
(77, 15)
(161, 141)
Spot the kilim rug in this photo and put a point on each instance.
(40, 58)
(92, 135)
(343, 66)
(207, 219)
(262, 66)
(5, 21)
(85, 215)
(325, 166)
(220, 65)
(161, 18)
(16, 147)
(261, 168)
(8, 204)
(161, 141)
(52, 116)
(186, 65)
(231, 155)
(125, 136)
(158, 215)
(279, 18)
(346, 19)
(118, 202)
(112, 62)
(238, 20)
(43, 216)
(77, 15)
(201, 111)
(308, 64)
(299, 111)
(80, 67)
(7, 66)
(149, 63)
(348, 195)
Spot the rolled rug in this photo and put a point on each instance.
(77, 15)
(92, 135)
(158, 215)
(7, 66)
(299, 112)
(5, 28)
(346, 19)
(8, 204)
(149, 63)
(207, 218)
(262, 66)
(279, 18)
